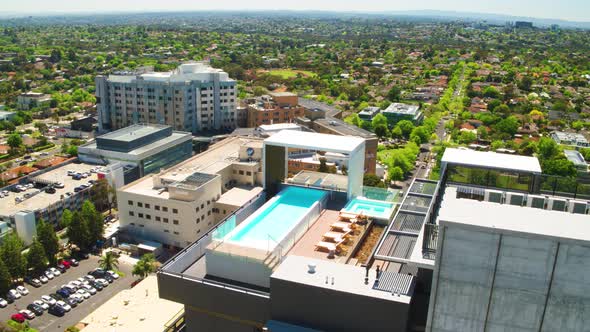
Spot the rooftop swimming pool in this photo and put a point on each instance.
(369, 207)
(273, 221)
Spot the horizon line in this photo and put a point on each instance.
(416, 12)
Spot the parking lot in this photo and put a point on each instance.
(50, 323)
(43, 199)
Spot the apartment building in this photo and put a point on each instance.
(277, 107)
(398, 111)
(28, 100)
(575, 140)
(194, 97)
(179, 204)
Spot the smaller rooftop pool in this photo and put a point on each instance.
(369, 207)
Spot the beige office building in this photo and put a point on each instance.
(180, 204)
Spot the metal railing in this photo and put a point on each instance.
(430, 239)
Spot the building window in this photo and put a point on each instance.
(209, 212)
(131, 213)
(157, 207)
(140, 204)
(158, 218)
(202, 206)
(166, 231)
(148, 217)
(175, 233)
(130, 202)
(147, 206)
(132, 224)
(166, 220)
(141, 225)
(249, 173)
(140, 215)
(165, 209)
(197, 209)
(241, 172)
(175, 222)
(208, 202)
(174, 210)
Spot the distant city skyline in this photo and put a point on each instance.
(571, 10)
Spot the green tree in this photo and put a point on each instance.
(394, 93)
(41, 126)
(5, 279)
(508, 126)
(11, 254)
(15, 141)
(323, 166)
(109, 261)
(466, 137)
(396, 132)
(48, 239)
(379, 120)
(78, 232)
(372, 180)
(395, 174)
(419, 135)
(547, 148)
(381, 131)
(93, 219)
(66, 218)
(406, 127)
(145, 266)
(36, 259)
(103, 195)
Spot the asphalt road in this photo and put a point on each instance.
(50, 323)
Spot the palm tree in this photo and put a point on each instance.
(145, 266)
(109, 261)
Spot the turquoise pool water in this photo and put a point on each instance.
(277, 217)
(371, 208)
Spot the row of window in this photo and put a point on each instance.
(149, 217)
(148, 206)
(165, 230)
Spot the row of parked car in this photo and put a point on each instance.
(68, 296)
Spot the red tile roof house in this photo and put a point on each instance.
(4, 149)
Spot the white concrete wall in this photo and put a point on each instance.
(26, 227)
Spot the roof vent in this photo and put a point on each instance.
(311, 268)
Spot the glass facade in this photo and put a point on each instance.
(167, 158)
(490, 178)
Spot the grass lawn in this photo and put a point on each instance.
(290, 73)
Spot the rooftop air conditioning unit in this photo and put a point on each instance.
(579, 207)
(557, 204)
(515, 199)
(494, 196)
(537, 202)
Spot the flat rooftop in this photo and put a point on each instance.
(238, 196)
(347, 278)
(219, 156)
(399, 108)
(343, 128)
(137, 309)
(176, 136)
(490, 159)
(315, 141)
(133, 132)
(43, 199)
(509, 218)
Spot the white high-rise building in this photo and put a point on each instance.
(195, 97)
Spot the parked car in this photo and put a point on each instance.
(22, 290)
(84, 293)
(76, 283)
(64, 305)
(97, 273)
(63, 292)
(57, 311)
(71, 301)
(48, 299)
(103, 282)
(97, 285)
(3, 303)
(19, 318)
(70, 288)
(43, 279)
(74, 262)
(113, 274)
(27, 313)
(54, 271)
(50, 190)
(77, 189)
(14, 294)
(37, 309)
(61, 268)
(108, 278)
(59, 185)
(88, 277)
(91, 290)
(65, 263)
(79, 298)
(49, 274)
(42, 304)
(33, 282)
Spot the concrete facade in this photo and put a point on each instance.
(280, 107)
(195, 97)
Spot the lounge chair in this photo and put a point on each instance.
(347, 215)
(328, 246)
(336, 236)
(341, 226)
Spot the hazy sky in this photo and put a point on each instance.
(578, 10)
